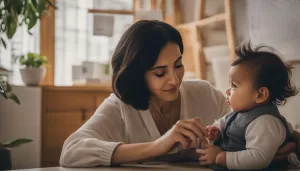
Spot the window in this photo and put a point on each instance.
(20, 44)
(74, 39)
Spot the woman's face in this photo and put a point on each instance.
(165, 77)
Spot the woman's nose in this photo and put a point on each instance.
(173, 78)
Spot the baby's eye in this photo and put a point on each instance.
(233, 85)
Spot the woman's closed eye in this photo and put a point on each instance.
(160, 74)
(179, 66)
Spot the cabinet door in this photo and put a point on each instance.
(57, 128)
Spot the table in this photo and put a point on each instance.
(148, 167)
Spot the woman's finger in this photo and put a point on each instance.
(182, 140)
(186, 132)
(287, 148)
(187, 124)
(199, 123)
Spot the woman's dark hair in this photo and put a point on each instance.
(136, 52)
(268, 71)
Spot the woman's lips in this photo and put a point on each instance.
(171, 90)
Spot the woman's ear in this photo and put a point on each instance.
(262, 95)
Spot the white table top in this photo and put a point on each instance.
(155, 167)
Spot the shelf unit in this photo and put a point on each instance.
(194, 27)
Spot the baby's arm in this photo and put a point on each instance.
(264, 136)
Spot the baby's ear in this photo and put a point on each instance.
(262, 95)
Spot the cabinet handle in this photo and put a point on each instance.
(83, 114)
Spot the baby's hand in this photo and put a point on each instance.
(213, 132)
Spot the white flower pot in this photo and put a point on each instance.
(33, 76)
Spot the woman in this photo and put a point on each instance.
(151, 112)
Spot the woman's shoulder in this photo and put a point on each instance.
(112, 101)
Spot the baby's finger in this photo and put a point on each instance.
(203, 162)
(203, 158)
(201, 151)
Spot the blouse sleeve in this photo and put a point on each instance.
(93, 144)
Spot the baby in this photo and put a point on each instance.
(248, 137)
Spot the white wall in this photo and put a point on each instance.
(23, 121)
(291, 110)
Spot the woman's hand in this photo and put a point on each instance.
(184, 132)
(284, 151)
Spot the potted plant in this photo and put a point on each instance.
(33, 70)
(5, 157)
(16, 13)
(13, 14)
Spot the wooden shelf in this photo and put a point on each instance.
(121, 12)
(203, 22)
(293, 62)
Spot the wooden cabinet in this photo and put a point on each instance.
(64, 110)
(47, 115)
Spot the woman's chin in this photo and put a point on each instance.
(168, 97)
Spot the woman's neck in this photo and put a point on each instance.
(160, 104)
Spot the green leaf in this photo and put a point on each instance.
(34, 60)
(51, 4)
(16, 143)
(32, 23)
(2, 92)
(14, 98)
(3, 42)
(3, 26)
(9, 88)
(11, 26)
(22, 60)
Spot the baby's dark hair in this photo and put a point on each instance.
(268, 70)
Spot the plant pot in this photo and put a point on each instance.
(33, 76)
(5, 159)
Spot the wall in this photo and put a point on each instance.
(272, 22)
(23, 121)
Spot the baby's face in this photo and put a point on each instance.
(241, 95)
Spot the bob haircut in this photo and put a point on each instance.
(137, 52)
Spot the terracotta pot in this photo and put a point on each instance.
(5, 159)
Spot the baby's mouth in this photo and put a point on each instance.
(228, 101)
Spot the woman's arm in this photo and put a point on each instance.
(94, 143)
(101, 140)
(128, 153)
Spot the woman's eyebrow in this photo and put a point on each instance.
(158, 67)
(165, 66)
(178, 59)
